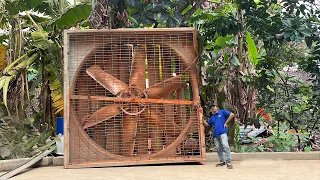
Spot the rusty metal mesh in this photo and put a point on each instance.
(131, 96)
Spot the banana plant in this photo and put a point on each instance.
(33, 42)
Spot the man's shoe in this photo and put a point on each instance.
(221, 164)
(229, 166)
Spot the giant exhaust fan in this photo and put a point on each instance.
(131, 97)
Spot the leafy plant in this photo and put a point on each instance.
(285, 140)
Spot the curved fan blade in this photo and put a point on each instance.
(165, 87)
(102, 114)
(108, 81)
(129, 125)
(154, 118)
(142, 138)
(138, 72)
(187, 53)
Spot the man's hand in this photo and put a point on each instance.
(229, 119)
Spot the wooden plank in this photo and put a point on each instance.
(66, 99)
(201, 131)
(134, 30)
(133, 100)
(137, 161)
(27, 165)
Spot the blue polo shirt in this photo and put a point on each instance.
(218, 120)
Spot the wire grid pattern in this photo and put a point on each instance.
(131, 96)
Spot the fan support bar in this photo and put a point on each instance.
(135, 100)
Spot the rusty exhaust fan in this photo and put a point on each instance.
(131, 97)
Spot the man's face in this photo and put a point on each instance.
(214, 109)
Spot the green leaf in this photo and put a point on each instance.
(40, 39)
(306, 31)
(73, 16)
(131, 3)
(14, 7)
(282, 135)
(221, 40)
(133, 20)
(269, 88)
(296, 110)
(186, 10)
(221, 85)
(178, 17)
(252, 49)
(5, 90)
(226, 57)
(260, 148)
(235, 61)
(164, 16)
(3, 38)
(287, 115)
(198, 11)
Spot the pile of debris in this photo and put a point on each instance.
(315, 140)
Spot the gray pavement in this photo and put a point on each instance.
(243, 170)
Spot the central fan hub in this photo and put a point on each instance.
(133, 108)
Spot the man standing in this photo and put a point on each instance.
(219, 120)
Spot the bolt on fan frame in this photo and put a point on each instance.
(133, 101)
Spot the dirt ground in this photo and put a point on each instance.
(244, 170)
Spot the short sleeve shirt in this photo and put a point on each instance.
(218, 120)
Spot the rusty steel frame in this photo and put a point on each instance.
(99, 156)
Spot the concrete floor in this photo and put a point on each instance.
(243, 170)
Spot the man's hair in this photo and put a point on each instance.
(212, 105)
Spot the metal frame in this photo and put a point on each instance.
(117, 159)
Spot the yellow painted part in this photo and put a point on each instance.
(160, 63)
(146, 61)
(3, 51)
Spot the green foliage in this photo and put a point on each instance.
(73, 16)
(165, 13)
(282, 140)
(34, 71)
(20, 140)
(237, 146)
(52, 8)
(16, 6)
(252, 49)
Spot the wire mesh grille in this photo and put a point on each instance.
(131, 95)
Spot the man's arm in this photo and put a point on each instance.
(229, 119)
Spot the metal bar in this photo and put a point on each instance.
(132, 100)
(134, 30)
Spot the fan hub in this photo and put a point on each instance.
(133, 108)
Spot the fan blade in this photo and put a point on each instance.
(142, 138)
(165, 87)
(129, 125)
(102, 114)
(154, 118)
(187, 53)
(108, 81)
(138, 72)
